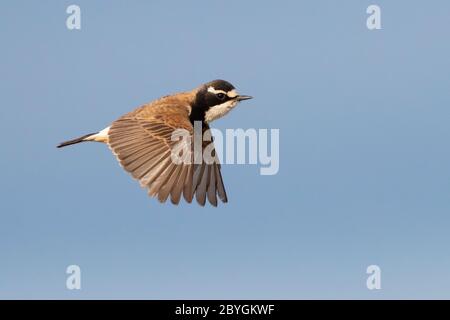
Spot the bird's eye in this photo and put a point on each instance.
(220, 95)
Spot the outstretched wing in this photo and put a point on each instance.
(142, 142)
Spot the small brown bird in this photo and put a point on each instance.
(143, 144)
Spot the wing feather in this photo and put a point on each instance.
(211, 189)
(200, 193)
(141, 141)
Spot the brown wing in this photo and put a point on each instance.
(141, 141)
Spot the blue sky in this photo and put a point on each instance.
(364, 160)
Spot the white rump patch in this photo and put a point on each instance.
(102, 136)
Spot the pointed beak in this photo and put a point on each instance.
(242, 98)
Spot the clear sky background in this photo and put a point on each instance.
(364, 150)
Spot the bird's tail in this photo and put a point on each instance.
(77, 140)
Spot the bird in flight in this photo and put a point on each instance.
(142, 141)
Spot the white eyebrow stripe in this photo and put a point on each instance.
(231, 94)
(212, 90)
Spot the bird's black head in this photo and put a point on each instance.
(215, 99)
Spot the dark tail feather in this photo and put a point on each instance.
(74, 141)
